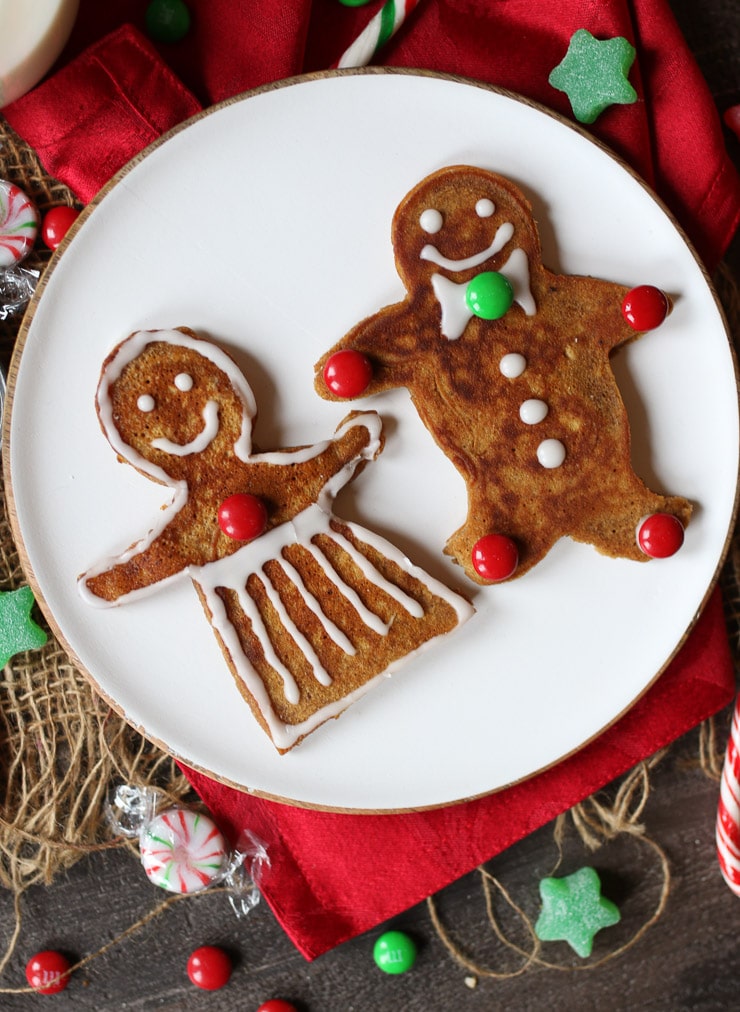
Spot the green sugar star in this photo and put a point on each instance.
(18, 631)
(573, 910)
(593, 74)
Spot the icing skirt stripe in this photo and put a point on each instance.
(728, 810)
(224, 576)
(294, 612)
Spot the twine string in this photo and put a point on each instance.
(120, 937)
(596, 822)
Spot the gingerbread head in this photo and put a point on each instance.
(165, 395)
(461, 220)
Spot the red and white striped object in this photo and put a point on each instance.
(728, 811)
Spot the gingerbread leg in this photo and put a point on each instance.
(642, 525)
(493, 546)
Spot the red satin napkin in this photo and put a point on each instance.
(332, 875)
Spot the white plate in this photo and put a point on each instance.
(265, 224)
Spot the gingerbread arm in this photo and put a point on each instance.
(321, 470)
(151, 561)
(358, 439)
(386, 339)
(613, 315)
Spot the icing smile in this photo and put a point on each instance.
(503, 234)
(204, 438)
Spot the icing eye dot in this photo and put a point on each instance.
(431, 220)
(184, 381)
(485, 208)
(145, 403)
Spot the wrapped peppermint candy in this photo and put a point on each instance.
(17, 285)
(19, 222)
(183, 850)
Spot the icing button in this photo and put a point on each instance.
(489, 295)
(551, 453)
(660, 535)
(495, 557)
(645, 307)
(512, 365)
(242, 516)
(533, 411)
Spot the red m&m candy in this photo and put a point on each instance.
(242, 516)
(209, 968)
(731, 118)
(276, 1005)
(660, 535)
(348, 373)
(44, 970)
(495, 557)
(645, 307)
(57, 222)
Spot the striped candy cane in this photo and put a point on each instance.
(386, 23)
(728, 811)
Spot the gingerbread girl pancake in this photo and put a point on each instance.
(309, 611)
(508, 366)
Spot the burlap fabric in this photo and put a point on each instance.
(62, 749)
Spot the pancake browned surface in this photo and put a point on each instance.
(312, 611)
(564, 328)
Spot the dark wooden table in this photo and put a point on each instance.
(688, 960)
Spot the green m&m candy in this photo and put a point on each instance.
(167, 20)
(394, 952)
(489, 295)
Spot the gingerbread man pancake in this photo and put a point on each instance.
(508, 366)
(309, 611)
